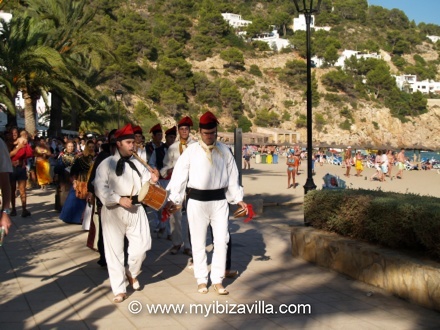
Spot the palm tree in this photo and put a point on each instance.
(27, 65)
(70, 32)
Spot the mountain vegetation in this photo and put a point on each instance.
(180, 57)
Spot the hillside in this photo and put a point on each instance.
(421, 131)
(180, 57)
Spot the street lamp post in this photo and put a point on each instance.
(306, 7)
(118, 96)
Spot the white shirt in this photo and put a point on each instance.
(173, 153)
(384, 159)
(5, 160)
(109, 187)
(193, 169)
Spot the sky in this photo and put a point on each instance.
(427, 11)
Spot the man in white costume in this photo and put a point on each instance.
(208, 170)
(139, 146)
(118, 180)
(178, 222)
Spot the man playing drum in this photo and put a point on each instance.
(208, 170)
(117, 183)
(179, 223)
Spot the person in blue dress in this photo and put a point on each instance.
(73, 208)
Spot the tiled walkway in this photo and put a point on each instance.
(50, 279)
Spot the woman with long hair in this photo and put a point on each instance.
(290, 162)
(73, 208)
(359, 165)
(62, 172)
(42, 154)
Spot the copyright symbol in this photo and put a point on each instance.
(134, 307)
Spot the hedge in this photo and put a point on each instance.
(400, 221)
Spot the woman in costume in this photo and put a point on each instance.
(73, 208)
(42, 154)
(62, 173)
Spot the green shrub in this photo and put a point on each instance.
(345, 125)
(400, 221)
(255, 70)
(375, 124)
(244, 83)
(287, 103)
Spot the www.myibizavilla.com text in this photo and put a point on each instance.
(216, 307)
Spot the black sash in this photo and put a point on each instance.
(206, 195)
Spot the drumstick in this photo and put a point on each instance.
(143, 162)
(131, 194)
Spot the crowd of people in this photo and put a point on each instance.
(109, 174)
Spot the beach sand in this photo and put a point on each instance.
(269, 181)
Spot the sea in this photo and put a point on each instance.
(423, 154)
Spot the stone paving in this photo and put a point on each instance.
(50, 280)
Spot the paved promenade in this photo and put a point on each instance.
(50, 279)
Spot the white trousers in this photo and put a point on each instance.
(200, 215)
(179, 229)
(118, 222)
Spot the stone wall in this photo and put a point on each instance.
(406, 277)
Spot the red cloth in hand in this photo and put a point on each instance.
(165, 215)
(250, 213)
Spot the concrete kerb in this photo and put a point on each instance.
(401, 275)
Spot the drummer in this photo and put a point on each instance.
(179, 223)
(117, 183)
(208, 170)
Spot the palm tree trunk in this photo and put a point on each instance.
(55, 115)
(29, 113)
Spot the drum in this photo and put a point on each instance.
(153, 196)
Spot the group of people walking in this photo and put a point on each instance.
(200, 179)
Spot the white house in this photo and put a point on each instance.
(349, 53)
(299, 24)
(427, 86)
(405, 82)
(274, 40)
(409, 83)
(6, 17)
(278, 135)
(434, 39)
(235, 20)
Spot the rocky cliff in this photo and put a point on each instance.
(372, 125)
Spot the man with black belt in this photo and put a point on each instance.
(208, 170)
(118, 181)
(178, 221)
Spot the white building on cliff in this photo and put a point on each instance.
(346, 54)
(235, 20)
(274, 40)
(409, 83)
(434, 39)
(299, 24)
